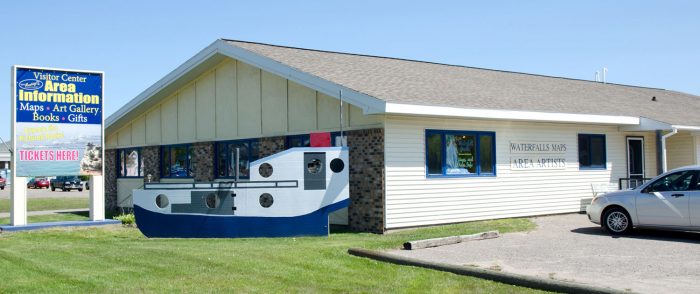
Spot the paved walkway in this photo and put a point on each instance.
(44, 212)
(570, 248)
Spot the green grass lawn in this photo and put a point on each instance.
(121, 259)
(37, 204)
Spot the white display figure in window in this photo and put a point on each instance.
(132, 163)
(452, 158)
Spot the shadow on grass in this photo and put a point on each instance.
(341, 229)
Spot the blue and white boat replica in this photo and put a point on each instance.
(289, 193)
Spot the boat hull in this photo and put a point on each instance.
(175, 225)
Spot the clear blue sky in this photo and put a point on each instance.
(648, 43)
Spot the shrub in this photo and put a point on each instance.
(127, 220)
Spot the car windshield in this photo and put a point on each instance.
(72, 179)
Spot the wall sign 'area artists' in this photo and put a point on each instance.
(57, 121)
(537, 155)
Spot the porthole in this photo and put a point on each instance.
(265, 170)
(314, 166)
(162, 201)
(266, 200)
(212, 201)
(337, 165)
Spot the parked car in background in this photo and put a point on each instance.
(668, 201)
(38, 183)
(2, 183)
(66, 183)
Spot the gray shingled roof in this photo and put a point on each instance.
(4, 149)
(424, 83)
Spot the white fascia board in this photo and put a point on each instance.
(181, 70)
(686, 128)
(368, 103)
(395, 108)
(647, 124)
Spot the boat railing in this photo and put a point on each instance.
(222, 185)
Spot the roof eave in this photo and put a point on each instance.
(491, 114)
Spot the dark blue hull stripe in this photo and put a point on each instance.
(161, 225)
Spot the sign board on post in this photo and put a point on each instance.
(58, 122)
(57, 126)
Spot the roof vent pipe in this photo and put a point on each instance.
(663, 148)
(605, 73)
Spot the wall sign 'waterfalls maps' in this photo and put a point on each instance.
(57, 122)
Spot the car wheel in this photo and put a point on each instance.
(80, 190)
(617, 221)
(53, 189)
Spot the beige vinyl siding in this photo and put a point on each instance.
(168, 121)
(302, 108)
(329, 113)
(412, 199)
(124, 136)
(226, 100)
(138, 131)
(186, 122)
(249, 104)
(235, 100)
(680, 150)
(153, 126)
(111, 140)
(206, 107)
(274, 104)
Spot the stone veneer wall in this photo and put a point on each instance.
(366, 211)
(110, 180)
(203, 161)
(271, 145)
(151, 162)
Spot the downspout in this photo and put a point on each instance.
(663, 148)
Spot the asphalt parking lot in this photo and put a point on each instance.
(570, 248)
(46, 193)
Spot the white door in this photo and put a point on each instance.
(665, 202)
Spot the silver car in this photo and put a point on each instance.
(668, 201)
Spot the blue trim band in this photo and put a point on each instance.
(160, 225)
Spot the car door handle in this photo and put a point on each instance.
(677, 195)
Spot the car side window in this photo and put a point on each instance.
(696, 184)
(679, 181)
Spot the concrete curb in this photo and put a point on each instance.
(435, 242)
(508, 278)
